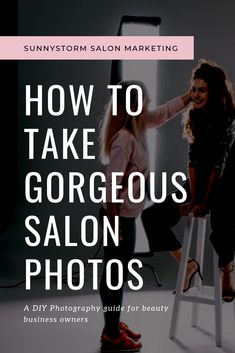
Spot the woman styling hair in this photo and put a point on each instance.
(124, 149)
(209, 128)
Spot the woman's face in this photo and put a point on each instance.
(199, 93)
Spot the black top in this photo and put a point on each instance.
(214, 137)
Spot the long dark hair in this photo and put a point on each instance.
(220, 94)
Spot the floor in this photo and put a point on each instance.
(18, 307)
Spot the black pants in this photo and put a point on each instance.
(158, 219)
(223, 214)
(223, 233)
(112, 299)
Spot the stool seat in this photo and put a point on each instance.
(199, 293)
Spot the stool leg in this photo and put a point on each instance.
(218, 301)
(181, 273)
(200, 246)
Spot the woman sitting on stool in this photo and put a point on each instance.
(209, 128)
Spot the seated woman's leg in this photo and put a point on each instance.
(223, 241)
(158, 220)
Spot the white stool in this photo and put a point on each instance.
(199, 293)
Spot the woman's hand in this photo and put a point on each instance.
(197, 210)
(186, 208)
(187, 98)
(200, 210)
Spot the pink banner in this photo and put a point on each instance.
(97, 48)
